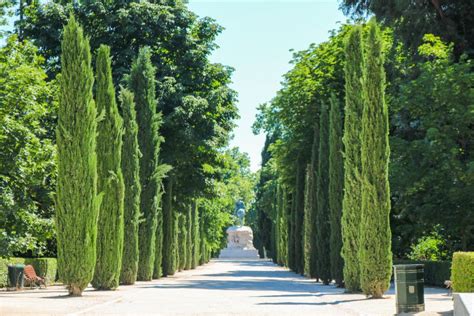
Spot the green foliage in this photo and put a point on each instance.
(110, 226)
(131, 175)
(195, 236)
(431, 145)
(28, 105)
(77, 201)
(351, 203)
(447, 19)
(182, 249)
(169, 252)
(141, 82)
(429, 248)
(189, 236)
(375, 237)
(194, 95)
(308, 229)
(462, 274)
(299, 216)
(336, 190)
(323, 227)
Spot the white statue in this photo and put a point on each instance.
(239, 238)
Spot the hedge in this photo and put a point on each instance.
(463, 272)
(436, 272)
(44, 267)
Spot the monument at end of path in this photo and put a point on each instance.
(239, 238)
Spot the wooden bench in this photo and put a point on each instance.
(31, 278)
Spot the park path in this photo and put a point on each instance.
(219, 288)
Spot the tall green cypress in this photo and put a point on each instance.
(308, 203)
(131, 175)
(352, 201)
(195, 235)
(323, 263)
(284, 227)
(313, 269)
(336, 188)
(291, 230)
(110, 178)
(299, 215)
(375, 237)
(182, 246)
(169, 246)
(157, 269)
(77, 201)
(142, 83)
(177, 230)
(278, 219)
(189, 237)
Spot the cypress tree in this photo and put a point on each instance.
(182, 242)
(110, 179)
(131, 175)
(77, 201)
(157, 269)
(299, 216)
(169, 252)
(352, 202)
(189, 237)
(142, 83)
(284, 227)
(375, 237)
(313, 271)
(336, 182)
(323, 264)
(291, 231)
(202, 235)
(195, 236)
(176, 242)
(278, 226)
(308, 203)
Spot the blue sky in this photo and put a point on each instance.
(256, 42)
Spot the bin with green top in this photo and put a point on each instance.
(409, 288)
(15, 275)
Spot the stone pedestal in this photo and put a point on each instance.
(239, 244)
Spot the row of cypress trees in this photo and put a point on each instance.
(110, 176)
(342, 225)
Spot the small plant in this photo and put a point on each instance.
(430, 248)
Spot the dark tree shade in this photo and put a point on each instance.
(77, 202)
(322, 215)
(131, 175)
(375, 238)
(110, 179)
(336, 188)
(351, 205)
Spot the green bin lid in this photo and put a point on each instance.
(409, 266)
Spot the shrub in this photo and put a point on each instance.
(435, 272)
(462, 272)
(430, 248)
(4, 269)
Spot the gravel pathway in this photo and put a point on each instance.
(218, 288)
